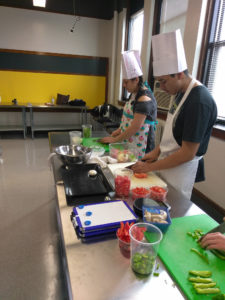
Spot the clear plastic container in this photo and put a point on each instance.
(75, 137)
(87, 130)
(139, 192)
(145, 239)
(122, 181)
(124, 247)
(158, 193)
(123, 152)
(97, 151)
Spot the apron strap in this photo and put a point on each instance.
(146, 121)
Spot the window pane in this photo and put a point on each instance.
(222, 22)
(216, 81)
(136, 28)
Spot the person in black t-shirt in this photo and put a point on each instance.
(189, 122)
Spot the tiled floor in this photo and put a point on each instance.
(30, 265)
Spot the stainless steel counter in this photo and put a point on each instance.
(98, 271)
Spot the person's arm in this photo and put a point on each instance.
(214, 240)
(135, 125)
(152, 156)
(186, 153)
(116, 132)
(138, 121)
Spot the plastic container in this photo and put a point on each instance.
(144, 251)
(97, 151)
(75, 137)
(158, 193)
(87, 130)
(124, 247)
(122, 181)
(140, 192)
(162, 226)
(123, 152)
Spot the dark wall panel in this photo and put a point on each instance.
(53, 64)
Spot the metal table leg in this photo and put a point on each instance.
(24, 120)
(31, 122)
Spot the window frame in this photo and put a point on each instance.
(219, 127)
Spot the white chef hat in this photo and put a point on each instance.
(168, 53)
(131, 64)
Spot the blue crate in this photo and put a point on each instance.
(163, 227)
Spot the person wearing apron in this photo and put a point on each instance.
(140, 111)
(177, 159)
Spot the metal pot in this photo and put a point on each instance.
(73, 154)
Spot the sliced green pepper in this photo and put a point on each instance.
(204, 257)
(208, 291)
(201, 273)
(204, 285)
(200, 279)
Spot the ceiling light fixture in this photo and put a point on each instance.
(40, 3)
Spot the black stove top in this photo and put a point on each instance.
(80, 188)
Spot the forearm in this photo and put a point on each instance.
(132, 129)
(171, 161)
(153, 155)
(116, 132)
(184, 154)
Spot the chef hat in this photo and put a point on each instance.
(168, 53)
(131, 64)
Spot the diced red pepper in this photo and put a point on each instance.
(141, 175)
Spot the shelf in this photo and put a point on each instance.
(56, 127)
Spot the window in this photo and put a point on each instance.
(135, 31)
(214, 71)
(134, 37)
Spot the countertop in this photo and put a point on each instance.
(98, 271)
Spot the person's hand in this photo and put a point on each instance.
(108, 140)
(141, 167)
(152, 156)
(214, 240)
(116, 132)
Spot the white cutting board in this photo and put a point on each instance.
(151, 180)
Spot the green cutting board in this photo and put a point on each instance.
(87, 142)
(175, 253)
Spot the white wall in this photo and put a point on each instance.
(23, 29)
(173, 15)
(214, 186)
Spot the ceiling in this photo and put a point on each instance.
(101, 9)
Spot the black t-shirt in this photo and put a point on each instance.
(195, 121)
(148, 108)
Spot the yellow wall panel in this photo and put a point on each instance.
(39, 88)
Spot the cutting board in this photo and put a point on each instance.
(175, 253)
(87, 142)
(147, 182)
